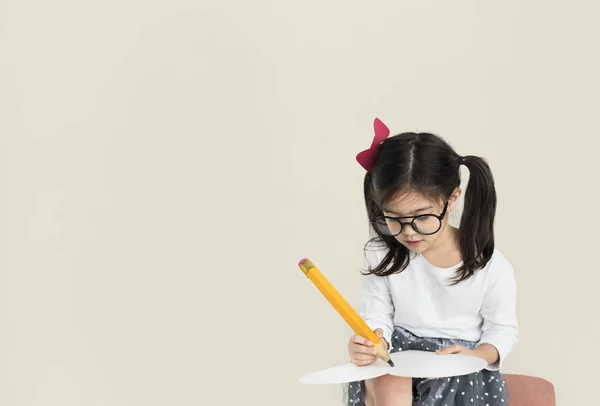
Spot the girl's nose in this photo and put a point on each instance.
(408, 230)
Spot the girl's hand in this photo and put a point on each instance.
(457, 349)
(487, 352)
(362, 351)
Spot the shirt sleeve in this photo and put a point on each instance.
(500, 326)
(376, 307)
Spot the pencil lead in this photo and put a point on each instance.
(391, 362)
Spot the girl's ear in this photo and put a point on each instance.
(453, 200)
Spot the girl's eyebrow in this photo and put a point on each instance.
(411, 213)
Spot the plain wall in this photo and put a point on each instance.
(166, 164)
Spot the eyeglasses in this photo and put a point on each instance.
(425, 224)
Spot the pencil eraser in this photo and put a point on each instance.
(302, 261)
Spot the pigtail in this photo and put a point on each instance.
(477, 222)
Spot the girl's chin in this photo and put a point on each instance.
(416, 250)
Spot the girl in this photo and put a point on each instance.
(427, 285)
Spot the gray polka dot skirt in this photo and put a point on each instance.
(483, 388)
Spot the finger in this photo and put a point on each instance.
(453, 349)
(361, 349)
(363, 357)
(379, 332)
(448, 350)
(361, 340)
(360, 363)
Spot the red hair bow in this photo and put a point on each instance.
(365, 158)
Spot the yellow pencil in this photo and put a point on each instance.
(343, 308)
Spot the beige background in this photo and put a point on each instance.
(165, 164)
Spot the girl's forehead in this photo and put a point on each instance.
(409, 201)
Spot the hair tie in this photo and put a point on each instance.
(365, 158)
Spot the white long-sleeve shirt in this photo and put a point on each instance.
(420, 299)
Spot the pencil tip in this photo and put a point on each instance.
(391, 362)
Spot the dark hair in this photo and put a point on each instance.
(426, 164)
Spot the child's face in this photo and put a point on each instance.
(413, 204)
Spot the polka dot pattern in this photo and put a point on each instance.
(483, 388)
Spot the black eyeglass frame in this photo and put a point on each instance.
(412, 222)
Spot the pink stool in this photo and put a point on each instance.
(524, 390)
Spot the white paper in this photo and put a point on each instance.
(412, 364)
